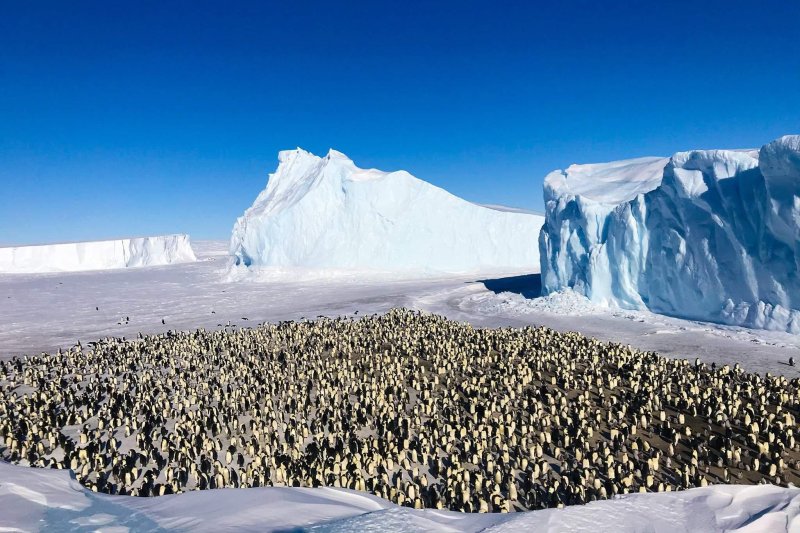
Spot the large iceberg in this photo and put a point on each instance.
(326, 213)
(97, 255)
(708, 234)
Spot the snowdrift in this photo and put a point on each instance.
(50, 500)
(711, 235)
(97, 255)
(326, 213)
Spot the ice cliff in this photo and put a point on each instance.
(326, 213)
(97, 255)
(708, 234)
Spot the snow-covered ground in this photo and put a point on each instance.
(42, 312)
(756, 350)
(97, 255)
(50, 500)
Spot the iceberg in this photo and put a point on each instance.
(97, 255)
(325, 213)
(710, 235)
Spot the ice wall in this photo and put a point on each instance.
(97, 255)
(710, 235)
(326, 213)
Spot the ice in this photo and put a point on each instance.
(714, 236)
(607, 183)
(97, 255)
(45, 310)
(566, 310)
(50, 500)
(706, 234)
(325, 213)
(42, 312)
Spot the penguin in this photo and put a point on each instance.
(408, 406)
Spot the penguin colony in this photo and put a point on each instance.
(415, 408)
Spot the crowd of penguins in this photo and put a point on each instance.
(409, 406)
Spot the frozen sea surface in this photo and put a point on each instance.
(41, 312)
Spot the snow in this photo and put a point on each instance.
(566, 310)
(325, 213)
(46, 500)
(97, 255)
(608, 183)
(709, 235)
(715, 237)
(498, 207)
(42, 312)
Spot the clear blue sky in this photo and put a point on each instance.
(134, 118)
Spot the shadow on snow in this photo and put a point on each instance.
(527, 285)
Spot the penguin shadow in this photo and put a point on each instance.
(526, 285)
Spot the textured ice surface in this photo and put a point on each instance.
(49, 500)
(326, 213)
(715, 235)
(97, 255)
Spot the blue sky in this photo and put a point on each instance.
(140, 118)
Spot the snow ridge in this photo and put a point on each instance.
(714, 236)
(326, 213)
(32, 498)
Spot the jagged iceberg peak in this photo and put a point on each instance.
(298, 171)
(298, 164)
(717, 238)
(287, 156)
(327, 213)
(336, 154)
